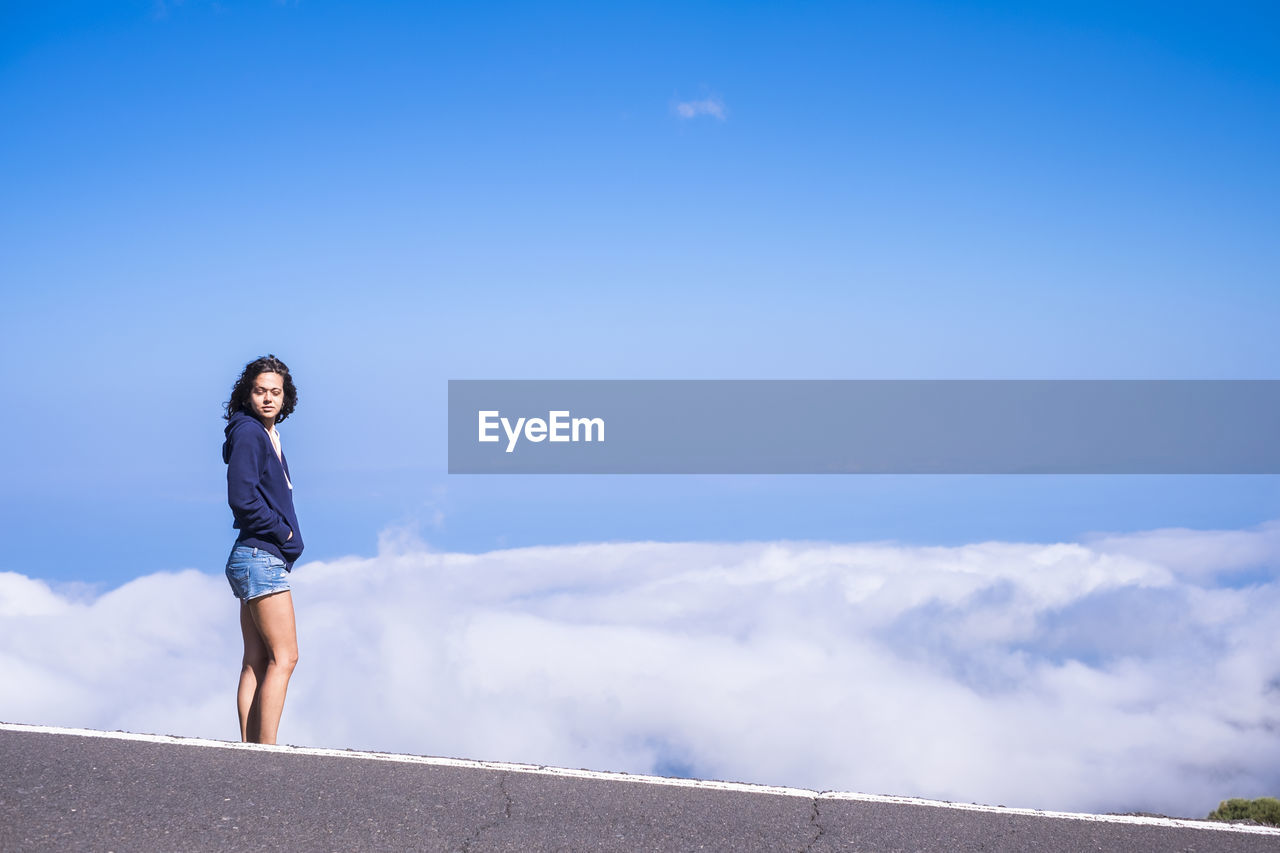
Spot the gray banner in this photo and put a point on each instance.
(864, 426)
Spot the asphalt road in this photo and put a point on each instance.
(69, 792)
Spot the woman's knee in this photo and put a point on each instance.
(286, 658)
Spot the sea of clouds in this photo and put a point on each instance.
(1134, 672)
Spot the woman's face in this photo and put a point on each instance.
(267, 396)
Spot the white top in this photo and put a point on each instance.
(275, 442)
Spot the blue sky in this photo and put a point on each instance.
(392, 195)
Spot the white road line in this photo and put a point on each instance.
(607, 776)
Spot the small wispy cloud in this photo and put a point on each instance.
(712, 106)
(160, 8)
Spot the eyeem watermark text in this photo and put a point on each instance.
(557, 427)
(855, 426)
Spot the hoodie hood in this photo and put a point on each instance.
(237, 421)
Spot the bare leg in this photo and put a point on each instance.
(273, 616)
(253, 670)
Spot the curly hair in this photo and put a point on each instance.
(240, 392)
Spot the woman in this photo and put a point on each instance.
(261, 497)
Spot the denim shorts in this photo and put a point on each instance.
(255, 572)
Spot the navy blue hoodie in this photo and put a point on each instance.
(257, 490)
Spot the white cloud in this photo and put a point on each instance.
(712, 106)
(1099, 676)
(1198, 553)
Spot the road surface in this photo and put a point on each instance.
(76, 789)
